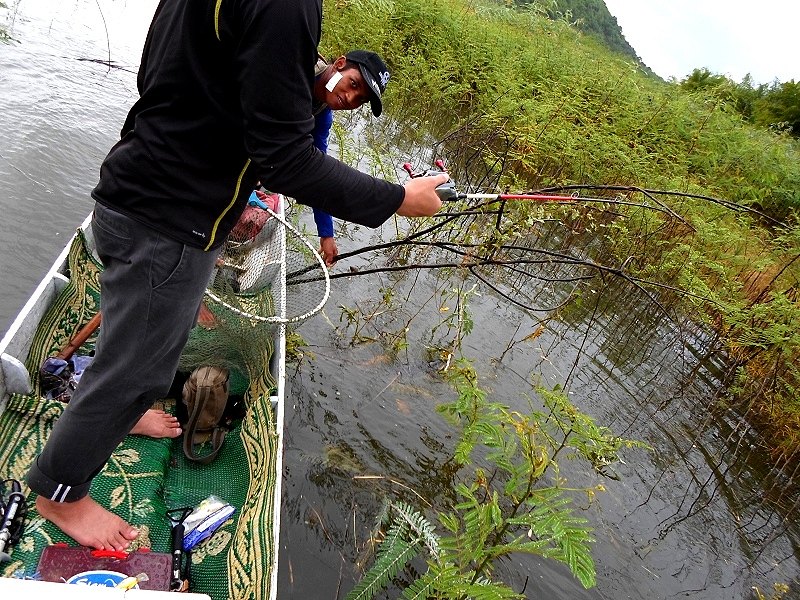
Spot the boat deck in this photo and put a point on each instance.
(145, 477)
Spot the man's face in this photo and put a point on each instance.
(350, 92)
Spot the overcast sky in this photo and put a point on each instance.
(732, 38)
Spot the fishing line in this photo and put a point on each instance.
(26, 175)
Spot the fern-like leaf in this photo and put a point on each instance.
(419, 525)
(390, 562)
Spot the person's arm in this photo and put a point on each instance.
(327, 244)
(276, 46)
(329, 250)
(420, 199)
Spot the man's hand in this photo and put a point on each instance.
(329, 250)
(421, 199)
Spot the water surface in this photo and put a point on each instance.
(700, 516)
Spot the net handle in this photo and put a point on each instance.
(282, 317)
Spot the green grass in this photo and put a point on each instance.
(528, 102)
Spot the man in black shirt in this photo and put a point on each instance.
(192, 148)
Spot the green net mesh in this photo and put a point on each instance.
(145, 476)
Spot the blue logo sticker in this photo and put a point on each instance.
(99, 578)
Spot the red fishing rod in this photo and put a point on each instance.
(534, 197)
(447, 191)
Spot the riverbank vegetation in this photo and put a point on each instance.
(4, 37)
(516, 100)
(516, 501)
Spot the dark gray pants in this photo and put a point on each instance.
(150, 294)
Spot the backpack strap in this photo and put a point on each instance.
(217, 436)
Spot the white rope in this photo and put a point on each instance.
(282, 308)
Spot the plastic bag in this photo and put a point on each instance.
(204, 520)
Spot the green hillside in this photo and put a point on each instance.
(590, 17)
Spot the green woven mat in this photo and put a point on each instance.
(145, 477)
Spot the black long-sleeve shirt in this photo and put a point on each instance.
(225, 101)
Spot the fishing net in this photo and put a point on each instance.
(263, 251)
(239, 345)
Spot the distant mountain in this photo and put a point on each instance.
(592, 18)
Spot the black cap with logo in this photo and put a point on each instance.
(375, 73)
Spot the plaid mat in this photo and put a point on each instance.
(144, 476)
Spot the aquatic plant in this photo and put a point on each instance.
(4, 36)
(511, 497)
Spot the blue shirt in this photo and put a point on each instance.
(322, 131)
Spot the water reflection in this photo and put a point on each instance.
(692, 517)
(59, 115)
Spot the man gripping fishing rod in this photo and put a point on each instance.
(192, 148)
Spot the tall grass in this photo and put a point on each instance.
(587, 114)
(532, 103)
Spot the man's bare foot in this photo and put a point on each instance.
(88, 523)
(157, 424)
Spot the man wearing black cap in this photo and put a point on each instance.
(345, 84)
